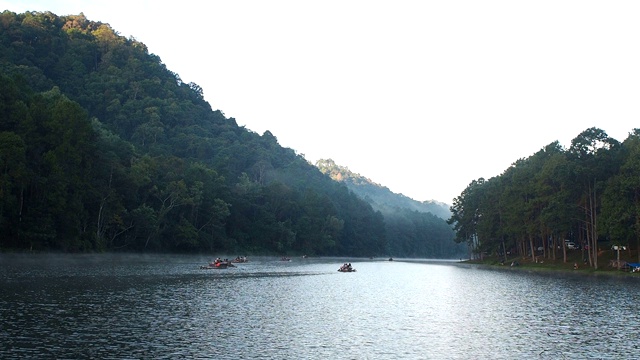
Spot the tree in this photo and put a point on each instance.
(13, 180)
(621, 197)
(465, 215)
(591, 150)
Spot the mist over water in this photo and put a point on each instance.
(143, 307)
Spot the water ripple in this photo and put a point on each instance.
(170, 309)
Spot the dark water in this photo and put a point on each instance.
(114, 307)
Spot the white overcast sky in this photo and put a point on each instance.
(420, 96)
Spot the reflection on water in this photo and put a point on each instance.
(166, 307)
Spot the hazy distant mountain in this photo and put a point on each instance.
(380, 197)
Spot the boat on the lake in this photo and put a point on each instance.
(240, 259)
(211, 266)
(218, 264)
(346, 267)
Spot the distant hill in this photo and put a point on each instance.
(412, 228)
(380, 197)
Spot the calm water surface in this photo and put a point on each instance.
(119, 307)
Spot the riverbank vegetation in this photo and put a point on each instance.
(102, 148)
(611, 262)
(557, 202)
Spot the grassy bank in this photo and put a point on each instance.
(575, 262)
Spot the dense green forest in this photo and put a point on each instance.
(102, 148)
(588, 194)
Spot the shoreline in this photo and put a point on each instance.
(551, 268)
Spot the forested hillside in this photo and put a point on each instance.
(102, 148)
(587, 194)
(417, 228)
(380, 197)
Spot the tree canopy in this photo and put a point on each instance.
(587, 194)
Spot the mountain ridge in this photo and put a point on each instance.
(380, 196)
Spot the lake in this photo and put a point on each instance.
(166, 307)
